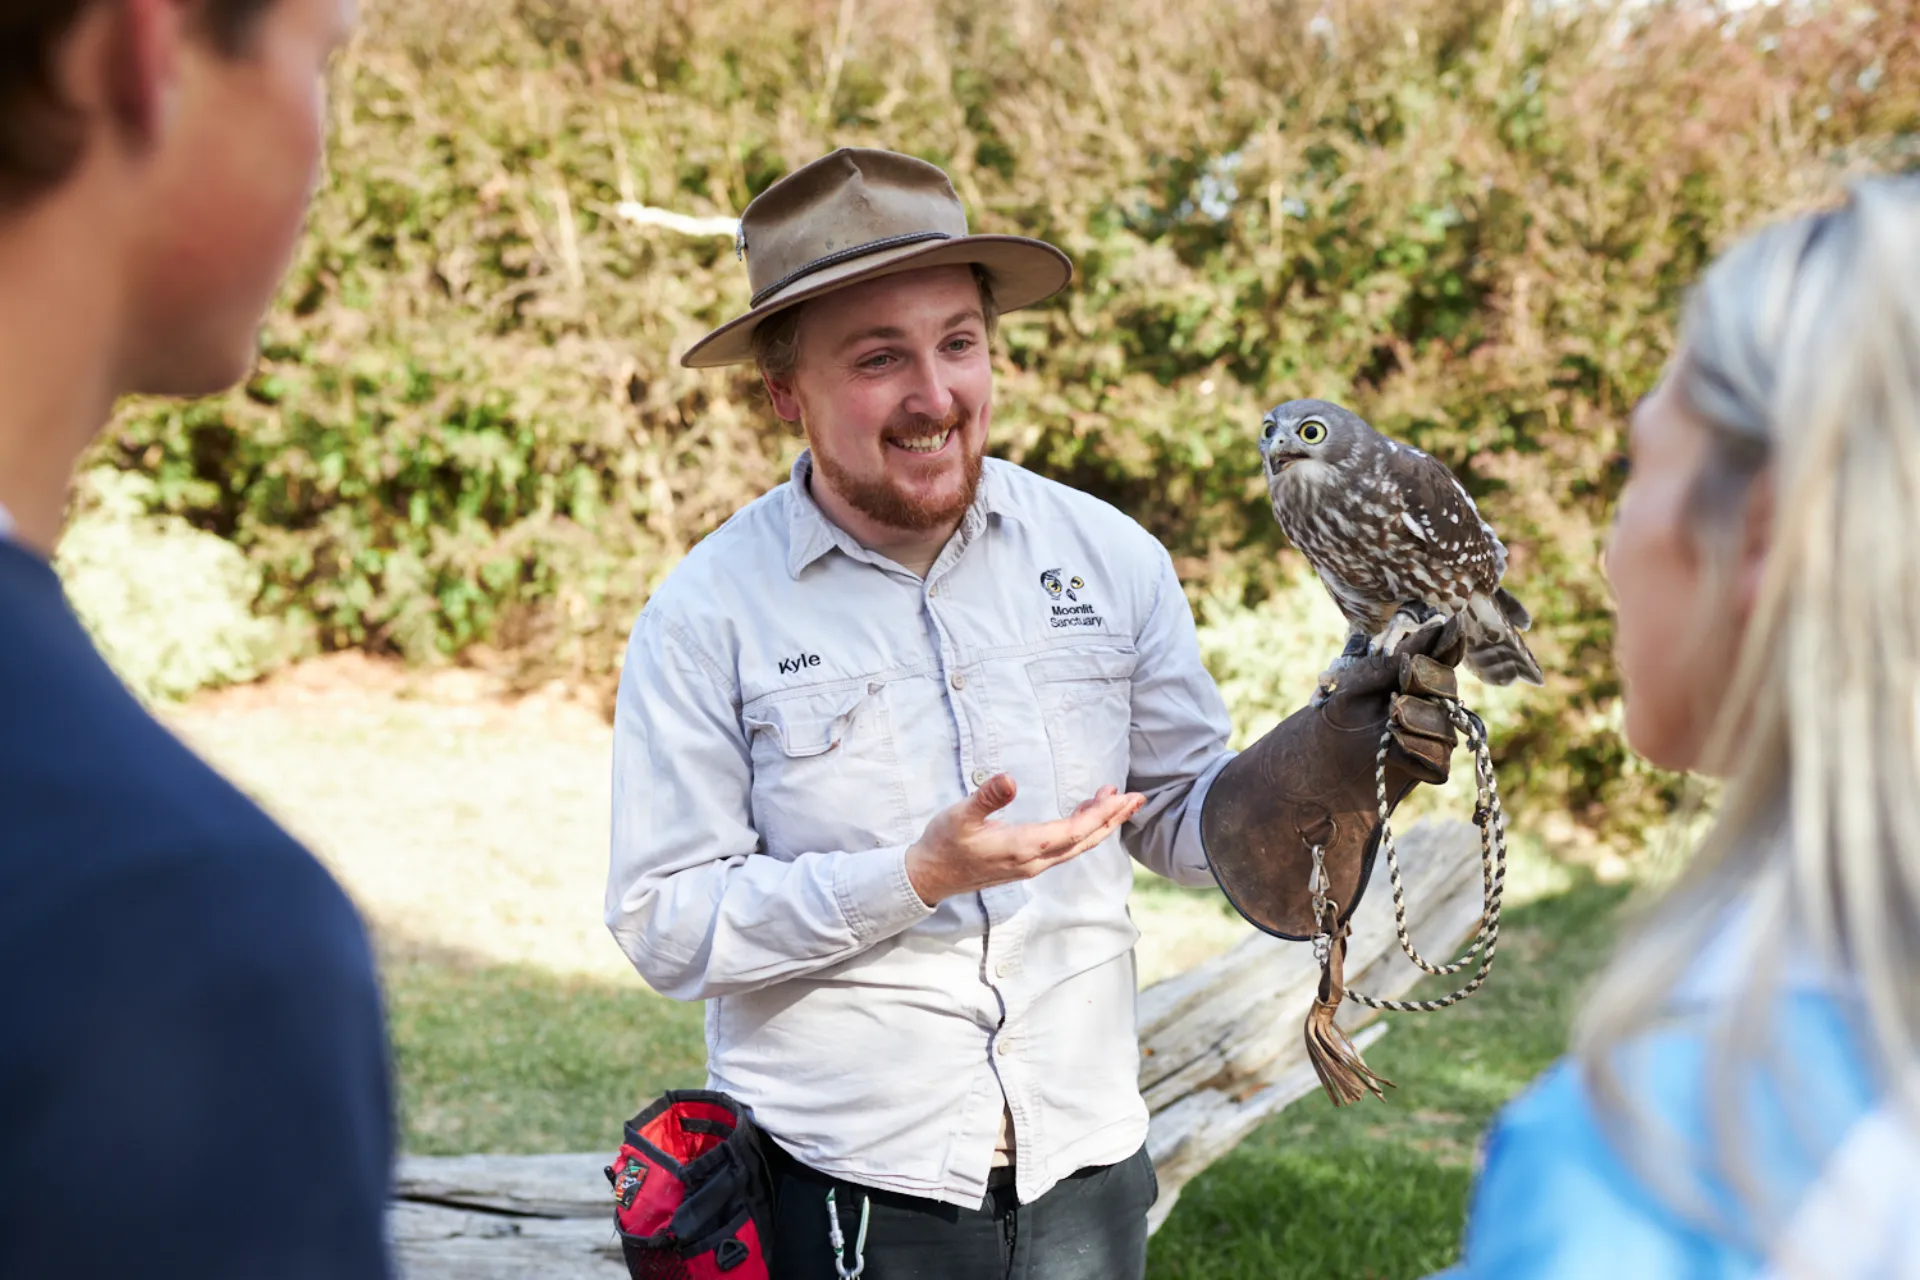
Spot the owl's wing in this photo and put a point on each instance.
(1441, 513)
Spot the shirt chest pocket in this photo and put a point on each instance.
(825, 772)
(1086, 702)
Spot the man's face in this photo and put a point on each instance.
(894, 386)
(223, 193)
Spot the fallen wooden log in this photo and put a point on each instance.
(1221, 1051)
(435, 1242)
(553, 1186)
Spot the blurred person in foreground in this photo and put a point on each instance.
(870, 748)
(1743, 1098)
(193, 1074)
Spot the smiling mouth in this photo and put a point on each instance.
(933, 443)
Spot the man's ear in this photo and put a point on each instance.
(780, 391)
(139, 64)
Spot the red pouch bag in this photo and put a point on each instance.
(691, 1190)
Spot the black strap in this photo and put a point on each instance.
(847, 255)
(715, 1201)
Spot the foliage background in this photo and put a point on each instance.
(1471, 220)
(169, 604)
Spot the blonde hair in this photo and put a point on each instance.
(1800, 353)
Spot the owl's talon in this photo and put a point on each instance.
(1405, 625)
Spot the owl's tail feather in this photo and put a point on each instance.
(1510, 606)
(1495, 651)
(1503, 659)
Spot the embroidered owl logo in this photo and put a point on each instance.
(1056, 586)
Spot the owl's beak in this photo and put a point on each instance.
(1274, 451)
(1277, 460)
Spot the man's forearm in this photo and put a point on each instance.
(739, 924)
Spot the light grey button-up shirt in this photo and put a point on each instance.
(793, 709)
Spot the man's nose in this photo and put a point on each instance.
(929, 395)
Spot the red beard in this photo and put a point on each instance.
(882, 501)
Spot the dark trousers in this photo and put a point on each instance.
(1091, 1226)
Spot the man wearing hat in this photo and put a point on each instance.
(886, 746)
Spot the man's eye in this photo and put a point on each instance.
(878, 360)
(960, 344)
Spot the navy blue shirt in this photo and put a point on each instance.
(193, 1071)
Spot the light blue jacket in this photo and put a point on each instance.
(1555, 1199)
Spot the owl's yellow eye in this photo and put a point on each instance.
(1313, 432)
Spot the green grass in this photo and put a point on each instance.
(496, 1057)
(1375, 1191)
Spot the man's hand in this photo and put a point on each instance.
(964, 850)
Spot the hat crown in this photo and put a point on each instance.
(851, 200)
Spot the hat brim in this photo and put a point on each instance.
(1022, 272)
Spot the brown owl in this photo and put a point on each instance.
(1393, 535)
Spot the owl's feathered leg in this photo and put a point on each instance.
(1411, 618)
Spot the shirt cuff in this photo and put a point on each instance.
(875, 894)
(1189, 863)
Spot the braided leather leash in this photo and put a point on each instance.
(1491, 821)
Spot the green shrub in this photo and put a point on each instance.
(171, 607)
(1471, 220)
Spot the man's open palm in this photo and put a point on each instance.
(964, 849)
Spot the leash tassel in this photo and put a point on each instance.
(1336, 1059)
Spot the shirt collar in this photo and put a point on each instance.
(810, 534)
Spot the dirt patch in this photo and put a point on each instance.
(355, 683)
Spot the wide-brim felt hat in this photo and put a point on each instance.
(858, 214)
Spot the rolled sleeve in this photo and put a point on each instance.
(693, 900)
(1179, 737)
(877, 895)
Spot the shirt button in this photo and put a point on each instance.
(958, 681)
(980, 777)
(1002, 969)
(1003, 1047)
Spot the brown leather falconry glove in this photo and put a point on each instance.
(1311, 782)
